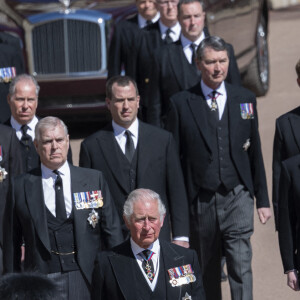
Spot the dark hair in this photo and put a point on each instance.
(298, 68)
(120, 81)
(213, 42)
(25, 286)
(187, 2)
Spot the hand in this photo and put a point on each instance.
(181, 243)
(264, 214)
(292, 280)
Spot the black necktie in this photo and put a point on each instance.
(168, 39)
(193, 48)
(60, 206)
(25, 139)
(149, 22)
(147, 264)
(129, 147)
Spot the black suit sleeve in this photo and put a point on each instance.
(110, 222)
(277, 159)
(198, 289)
(177, 197)
(287, 224)
(12, 235)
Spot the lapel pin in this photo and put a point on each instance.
(246, 145)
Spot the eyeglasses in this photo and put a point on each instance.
(166, 3)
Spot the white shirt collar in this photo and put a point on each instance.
(207, 90)
(64, 170)
(136, 249)
(186, 42)
(143, 22)
(31, 125)
(119, 130)
(176, 29)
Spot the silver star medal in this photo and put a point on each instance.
(246, 145)
(187, 297)
(3, 174)
(93, 218)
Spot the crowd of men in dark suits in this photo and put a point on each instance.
(152, 190)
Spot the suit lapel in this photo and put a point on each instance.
(295, 125)
(145, 144)
(111, 152)
(234, 114)
(124, 266)
(35, 198)
(171, 259)
(180, 65)
(198, 110)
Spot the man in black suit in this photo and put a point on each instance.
(61, 213)
(10, 166)
(174, 68)
(125, 40)
(23, 102)
(11, 64)
(216, 128)
(145, 267)
(132, 154)
(286, 144)
(288, 219)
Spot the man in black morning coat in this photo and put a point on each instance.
(154, 163)
(172, 272)
(174, 68)
(288, 219)
(23, 101)
(11, 64)
(216, 128)
(286, 144)
(10, 166)
(126, 37)
(61, 213)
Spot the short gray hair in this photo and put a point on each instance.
(214, 42)
(48, 123)
(142, 195)
(23, 77)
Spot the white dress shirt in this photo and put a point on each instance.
(31, 127)
(120, 134)
(186, 44)
(48, 181)
(221, 98)
(155, 248)
(175, 31)
(143, 22)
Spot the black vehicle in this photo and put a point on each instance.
(72, 71)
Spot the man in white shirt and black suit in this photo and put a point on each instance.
(61, 213)
(145, 267)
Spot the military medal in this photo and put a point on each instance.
(246, 145)
(149, 272)
(3, 174)
(1, 156)
(247, 111)
(181, 275)
(87, 200)
(187, 297)
(93, 218)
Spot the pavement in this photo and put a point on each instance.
(269, 282)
